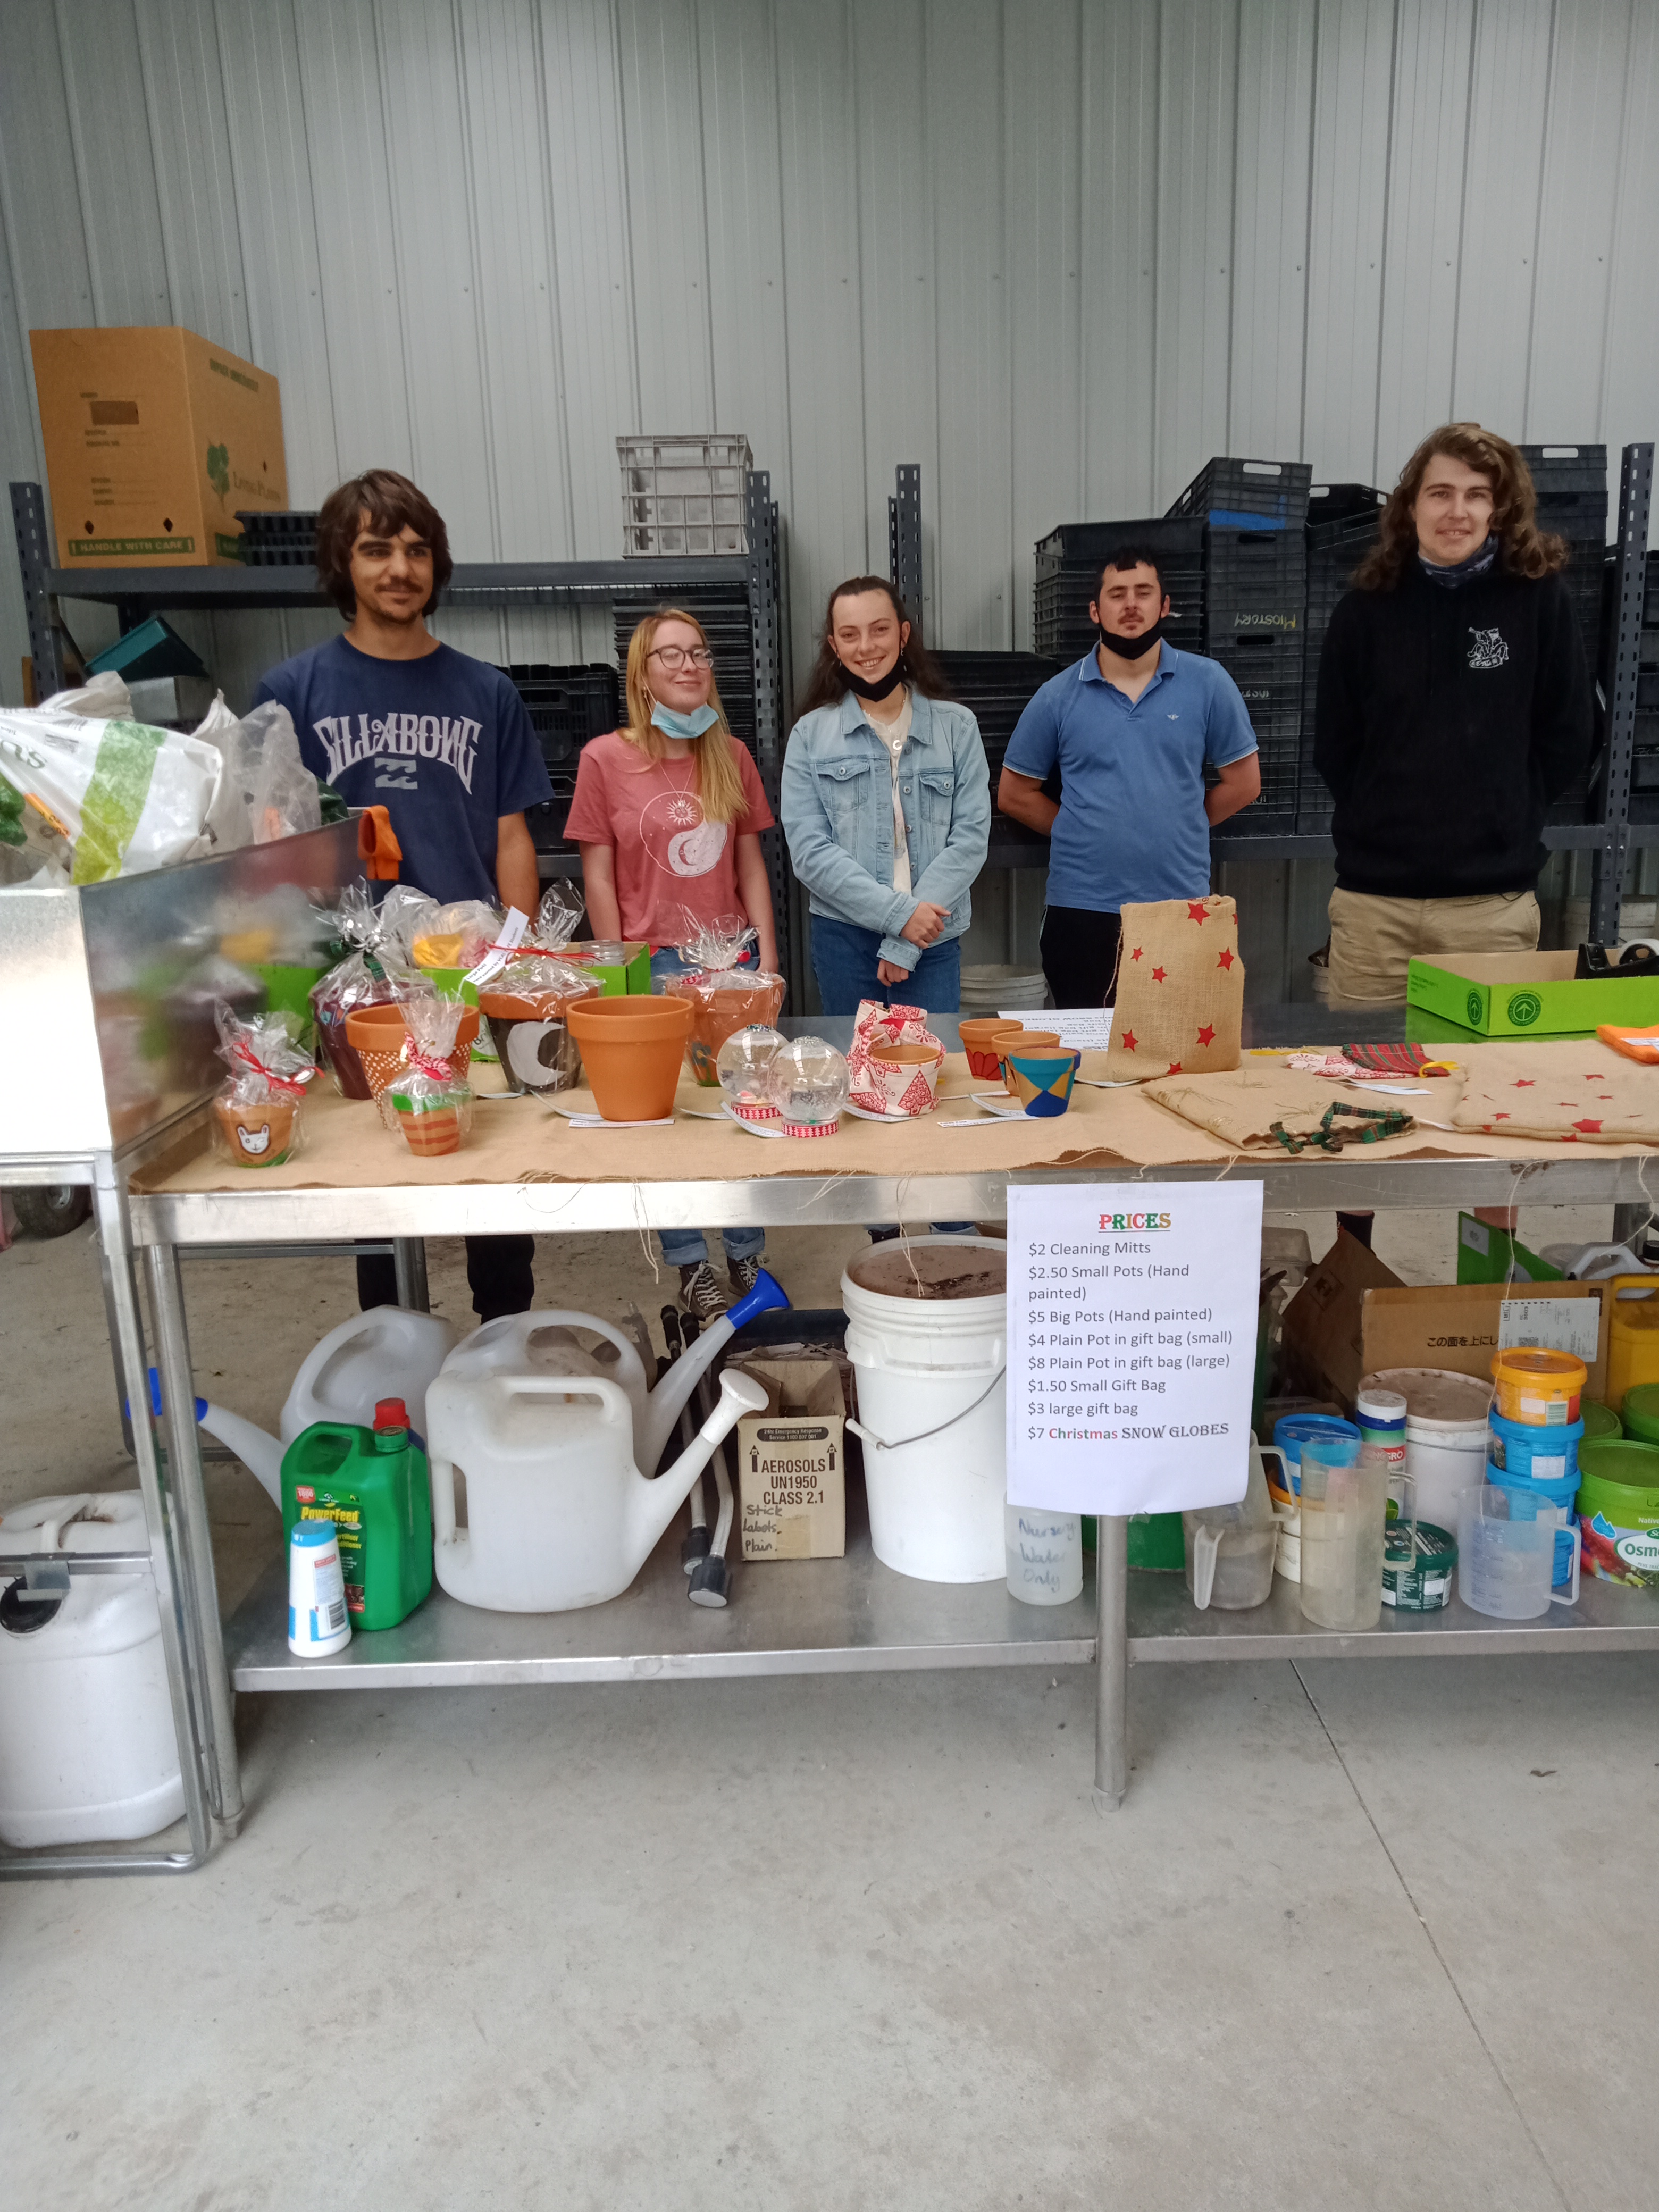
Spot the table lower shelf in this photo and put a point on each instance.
(855, 1616)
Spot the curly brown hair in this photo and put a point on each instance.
(827, 684)
(1522, 548)
(380, 499)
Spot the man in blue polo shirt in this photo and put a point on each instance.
(1131, 728)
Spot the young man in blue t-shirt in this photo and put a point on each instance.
(1131, 728)
(391, 717)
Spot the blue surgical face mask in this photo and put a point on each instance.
(673, 723)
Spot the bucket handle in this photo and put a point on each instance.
(886, 1443)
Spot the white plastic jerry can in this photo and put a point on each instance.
(88, 1754)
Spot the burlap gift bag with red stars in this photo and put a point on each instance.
(1180, 990)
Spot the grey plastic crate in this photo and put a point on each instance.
(685, 494)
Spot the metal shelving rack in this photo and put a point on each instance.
(136, 594)
(1610, 839)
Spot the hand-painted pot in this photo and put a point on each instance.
(632, 1049)
(979, 1040)
(379, 1037)
(1042, 1081)
(1028, 1042)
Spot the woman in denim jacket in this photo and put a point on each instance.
(886, 802)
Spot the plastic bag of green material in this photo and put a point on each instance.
(127, 797)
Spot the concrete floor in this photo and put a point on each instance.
(1362, 1935)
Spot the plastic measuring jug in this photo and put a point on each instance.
(1345, 1507)
(1506, 1557)
(1230, 1548)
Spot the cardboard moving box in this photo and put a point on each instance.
(1354, 1317)
(792, 1462)
(154, 439)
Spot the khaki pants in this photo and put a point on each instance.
(1372, 939)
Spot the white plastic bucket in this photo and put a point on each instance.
(931, 1393)
(1446, 1416)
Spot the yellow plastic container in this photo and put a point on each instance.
(1633, 1336)
(1538, 1388)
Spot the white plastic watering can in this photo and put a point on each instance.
(390, 1352)
(539, 1344)
(558, 1514)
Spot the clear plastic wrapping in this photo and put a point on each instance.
(359, 979)
(426, 1102)
(256, 1118)
(726, 997)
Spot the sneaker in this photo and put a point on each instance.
(743, 1274)
(699, 1293)
(881, 1236)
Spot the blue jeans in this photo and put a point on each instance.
(844, 958)
(689, 1248)
(844, 961)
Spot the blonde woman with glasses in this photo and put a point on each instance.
(668, 813)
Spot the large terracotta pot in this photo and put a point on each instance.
(378, 1035)
(632, 1049)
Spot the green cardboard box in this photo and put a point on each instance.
(1486, 1253)
(1524, 994)
(624, 977)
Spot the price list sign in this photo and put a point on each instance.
(1132, 1322)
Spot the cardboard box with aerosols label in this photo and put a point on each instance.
(1354, 1317)
(792, 1462)
(154, 439)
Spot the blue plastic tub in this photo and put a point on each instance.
(1536, 1455)
(1292, 1431)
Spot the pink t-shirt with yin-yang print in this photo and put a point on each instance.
(669, 857)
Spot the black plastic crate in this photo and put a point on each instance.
(1078, 544)
(1276, 491)
(566, 705)
(547, 821)
(277, 541)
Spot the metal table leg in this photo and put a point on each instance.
(172, 1599)
(185, 1459)
(408, 1258)
(1112, 1662)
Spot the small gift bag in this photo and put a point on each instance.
(427, 1102)
(1180, 990)
(256, 1114)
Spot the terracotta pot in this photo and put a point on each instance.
(257, 1136)
(1042, 1080)
(1030, 1041)
(532, 1039)
(429, 1130)
(379, 1038)
(979, 1037)
(632, 1049)
(746, 1002)
(905, 1077)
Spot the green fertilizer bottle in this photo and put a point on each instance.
(373, 1484)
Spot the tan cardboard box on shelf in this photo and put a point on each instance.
(792, 1462)
(154, 439)
(1354, 1315)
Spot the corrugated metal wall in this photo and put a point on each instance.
(1058, 250)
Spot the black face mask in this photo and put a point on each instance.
(1131, 648)
(884, 686)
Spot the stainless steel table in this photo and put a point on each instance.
(833, 1616)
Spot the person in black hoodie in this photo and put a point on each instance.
(1454, 704)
